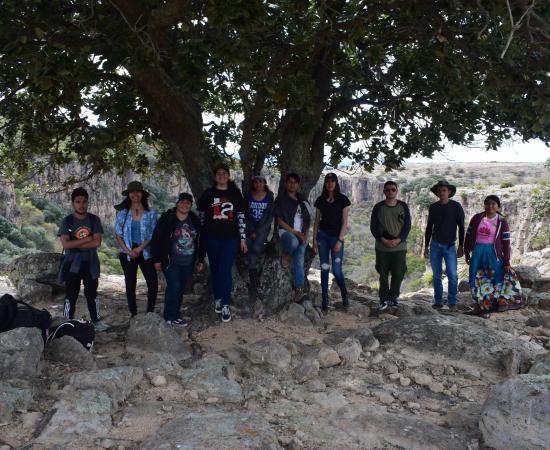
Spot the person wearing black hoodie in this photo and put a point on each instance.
(176, 251)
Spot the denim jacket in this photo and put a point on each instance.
(123, 228)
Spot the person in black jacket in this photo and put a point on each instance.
(292, 213)
(390, 225)
(176, 250)
(222, 212)
(259, 217)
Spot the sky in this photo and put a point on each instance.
(532, 151)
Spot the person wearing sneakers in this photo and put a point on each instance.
(444, 217)
(134, 226)
(487, 251)
(329, 229)
(293, 218)
(259, 217)
(175, 246)
(390, 224)
(222, 213)
(81, 233)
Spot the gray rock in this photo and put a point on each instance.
(21, 350)
(541, 366)
(349, 351)
(150, 333)
(516, 414)
(457, 338)
(161, 364)
(358, 309)
(527, 275)
(364, 335)
(306, 370)
(269, 353)
(327, 400)
(543, 301)
(69, 351)
(84, 414)
(328, 357)
(543, 283)
(312, 313)
(294, 314)
(542, 320)
(208, 377)
(118, 382)
(35, 276)
(214, 429)
(13, 398)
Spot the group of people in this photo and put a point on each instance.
(227, 222)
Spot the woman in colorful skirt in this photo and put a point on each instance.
(493, 284)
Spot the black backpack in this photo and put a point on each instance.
(8, 310)
(18, 314)
(81, 330)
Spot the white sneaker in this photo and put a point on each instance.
(100, 326)
(226, 314)
(218, 306)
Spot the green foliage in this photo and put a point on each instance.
(424, 200)
(506, 184)
(39, 237)
(51, 211)
(542, 239)
(540, 201)
(418, 184)
(159, 199)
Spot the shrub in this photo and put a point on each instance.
(40, 237)
(541, 239)
(424, 200)
(540, 201)
(506, 184)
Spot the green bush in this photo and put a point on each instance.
(506, 184)
(424, 200)
(540, 201)
(542, 239)
(41, 239)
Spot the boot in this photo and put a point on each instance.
(324, 304)
(345, 300)
(253, 284)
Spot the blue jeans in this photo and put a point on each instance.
(177, 277)
(438, 253)
(291, 246)
(221, 255)
(326, 243)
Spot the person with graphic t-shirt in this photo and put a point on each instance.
(222, 212)
(81, 234)
(487, 251)
(291, 211)
(259, 217)
(329, 229)
(390, 224)
(176, 251)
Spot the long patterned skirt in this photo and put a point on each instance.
(492, 288)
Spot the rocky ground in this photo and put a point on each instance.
(410, 379)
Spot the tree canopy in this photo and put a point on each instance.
(287, 81)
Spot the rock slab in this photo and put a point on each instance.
(11, 399)
(69, 351)
(516, 414)
(118, 382)
(20, 350)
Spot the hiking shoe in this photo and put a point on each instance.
(382, 306)
(299, 294)
(453, 308)
(285, 260)
(100, 326)
(437, 306)
(177, 322)
(226, 313)
(218, 306)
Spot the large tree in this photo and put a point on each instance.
(294, 83)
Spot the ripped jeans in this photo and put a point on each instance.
(326, 243)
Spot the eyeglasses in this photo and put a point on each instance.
(390, 190)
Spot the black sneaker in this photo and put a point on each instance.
(218, 306)
(177, 322)
(394, 304)
(382, 306)
(437, 306)
(226, 314)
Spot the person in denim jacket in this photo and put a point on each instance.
(134, 227)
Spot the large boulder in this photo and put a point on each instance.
(214, 428)
(150, 333)
(516, 414)
(209, 378)
(68, 350)
(527, 275)
(461, 340)
(20, 350)
(35, 276)
(541, 365)
(13, 398)
(83, 414)
(118, 382)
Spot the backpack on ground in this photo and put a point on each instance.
(81, 330)
(8, 310)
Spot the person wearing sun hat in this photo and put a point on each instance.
(444, 218)
(134, 225)
(177, 252)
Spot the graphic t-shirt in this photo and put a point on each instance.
(257, 207)
(182, 247)
(487, 230)
(223, 214)
(80, 229)
(331, 213)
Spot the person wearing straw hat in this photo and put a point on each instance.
(134, 225)
(444, 218)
